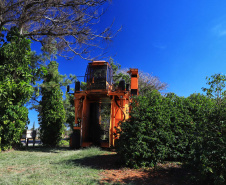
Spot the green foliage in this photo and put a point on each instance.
(83, 86)
(70, 110)
(69, 103)
(217, 84)
(15, 88)
(115, 66)
(117, 74)
(208, 154)
(64, 143)
(208, 157)
(52, 114)
(191, 130)
(143, 138)
(181, 127)
(159, 128)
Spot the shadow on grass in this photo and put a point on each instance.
(116, 173)
(105, 162)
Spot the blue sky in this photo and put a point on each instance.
(180, 41)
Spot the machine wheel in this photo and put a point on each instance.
(75, 140)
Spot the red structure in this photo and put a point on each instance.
(101, 106)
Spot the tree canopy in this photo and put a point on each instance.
(70, 24)
(216, 87)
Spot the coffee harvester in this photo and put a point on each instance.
(101, 106)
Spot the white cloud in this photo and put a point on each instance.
(220, 29)
(159, 45)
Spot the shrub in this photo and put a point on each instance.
(208, 154)
(159, 128)
(181, 127)
(190, 129)
(64, 143)
(145, 136)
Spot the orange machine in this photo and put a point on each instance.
(101, 106)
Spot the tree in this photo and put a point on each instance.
(118, 74)
(15, 87)
(52, 114)
(33, 127)
(69, 104)
(69, 24)
(146, 81)
(70, 110)
(217, 84)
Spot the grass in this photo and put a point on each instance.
(45, 166)
(48, 166)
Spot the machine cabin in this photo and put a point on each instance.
(99, 76)
(101, 107)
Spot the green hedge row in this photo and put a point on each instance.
(191, 130)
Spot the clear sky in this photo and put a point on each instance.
(180, 41)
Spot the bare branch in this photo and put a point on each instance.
(71, 23)
(147, 82)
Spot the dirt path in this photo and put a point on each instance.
(169, 173)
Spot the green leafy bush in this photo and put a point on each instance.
(15, 88)
(208, 154)
(64, 143)
(145, 136)
(181, 126)
(159, 128)
(191, 130)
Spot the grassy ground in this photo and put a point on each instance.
(87, 166)
(48, 166)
